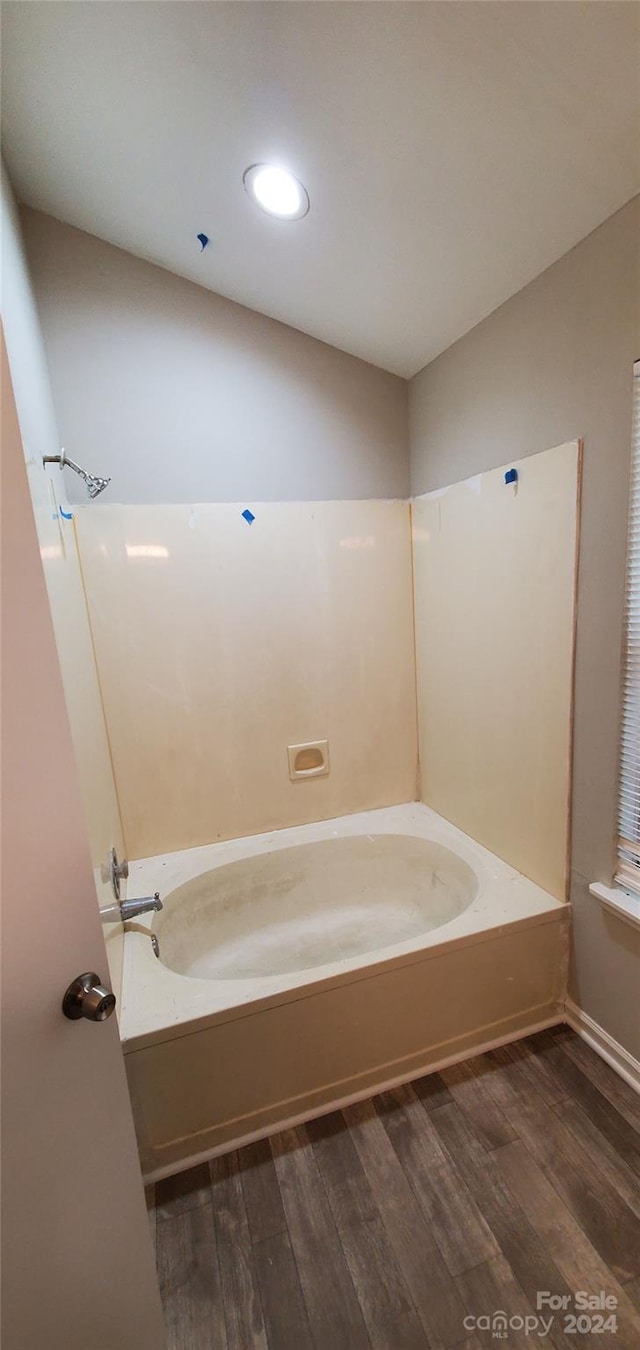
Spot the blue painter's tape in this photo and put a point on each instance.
(66, 515)
(203, 240)
(511, 476)
(248, 516)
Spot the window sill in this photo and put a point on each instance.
(624, 904)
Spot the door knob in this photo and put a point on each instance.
(87, 997)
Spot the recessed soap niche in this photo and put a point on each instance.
(310, 760)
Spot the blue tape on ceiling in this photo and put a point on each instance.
(248, 516)
(203, 240)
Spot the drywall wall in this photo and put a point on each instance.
(494, 619)
(553, 364)
(235, 640)
(61, 565)
(180, 395)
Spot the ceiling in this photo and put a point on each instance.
(451, 151)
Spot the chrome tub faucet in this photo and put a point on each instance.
(124, 910)
(130, 909)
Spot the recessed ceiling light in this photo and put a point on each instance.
(276, 191)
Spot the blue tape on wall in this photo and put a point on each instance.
(511, 476)
(203, 240)
(66, 515)
(248, 516)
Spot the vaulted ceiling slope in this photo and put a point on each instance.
(451, 151)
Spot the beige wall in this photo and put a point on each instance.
(494, 619)
(553, 364)
(181, 395)
(60, 560)
(220, 643)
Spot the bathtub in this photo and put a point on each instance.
(302, 969)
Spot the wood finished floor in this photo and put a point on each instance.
(384, 1225)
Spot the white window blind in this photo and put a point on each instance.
(629, 807)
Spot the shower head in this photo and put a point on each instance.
(94, 484)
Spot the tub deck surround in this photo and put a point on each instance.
(159, 1003)
(212, 1062)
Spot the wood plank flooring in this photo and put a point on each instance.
(392, 1223)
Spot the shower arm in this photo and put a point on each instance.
(94, 484)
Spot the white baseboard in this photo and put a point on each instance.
(604, 1045)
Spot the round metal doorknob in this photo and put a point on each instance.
(87, 997)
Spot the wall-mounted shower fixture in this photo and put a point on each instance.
(94, 485)
(118, 871)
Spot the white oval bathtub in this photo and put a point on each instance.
(298, 908)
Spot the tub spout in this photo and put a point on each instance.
(130, 909)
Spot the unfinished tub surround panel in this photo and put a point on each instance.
(494, 581)
(456, 950)
(222, 643)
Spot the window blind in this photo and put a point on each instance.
(628, 873)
